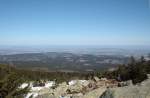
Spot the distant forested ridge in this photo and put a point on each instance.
(55, 61)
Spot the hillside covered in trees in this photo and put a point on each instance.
(136, 71)
(11, 78)
(10, 82)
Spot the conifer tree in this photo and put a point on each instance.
(10, 85)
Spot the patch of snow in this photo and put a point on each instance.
(73, 82)
(36, 88)
(34, 95)
(23, 85)
(49, 84)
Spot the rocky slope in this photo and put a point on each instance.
(141, 90)
(98, 88)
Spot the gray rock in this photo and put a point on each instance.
(132, 91)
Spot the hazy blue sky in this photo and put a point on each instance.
(74, 22)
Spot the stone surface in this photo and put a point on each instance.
(132, 91)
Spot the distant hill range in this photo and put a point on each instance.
(61, 61)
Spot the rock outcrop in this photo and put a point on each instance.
(141, 90)
(100, 88)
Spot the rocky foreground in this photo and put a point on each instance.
(97, 88)
(141, 90)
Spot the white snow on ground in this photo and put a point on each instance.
(34, 90)
(73, 82)
(49, 84)
(23, 85)
(34, 95)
